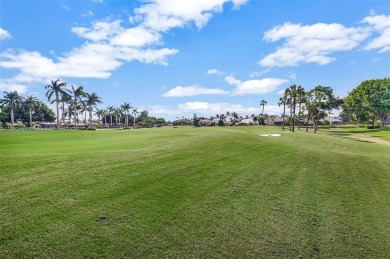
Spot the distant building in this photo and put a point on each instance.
(332, 121)
(272, 120)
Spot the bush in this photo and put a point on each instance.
(19, 126)
(373, 127)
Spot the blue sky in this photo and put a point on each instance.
(179, 57)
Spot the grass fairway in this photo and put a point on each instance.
(192, 192)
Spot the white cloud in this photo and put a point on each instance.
(7, 86)
(206, 109)
(213, 71)
(162, 15)
(260, 86)
(4, 34)
(181, 91)
(380, 24)
(136, 37)
(87, 13)
(232, 81)
(260, 73)
(92, 60)
(109, 45)
(99, 31)
(310, 43)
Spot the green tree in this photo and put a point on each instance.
(101, 113)
(144, 116)
(110, 111)
(135, 112)
(372, 96)
(126, 108)
(11, 100)
(263, 103)
(77, 95)
(56, 90)
(91, 101)
(300, 100)
(293, 102)
(30, 102)
(283, 101)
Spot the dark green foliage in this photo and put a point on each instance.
(370, 100)
(40, 113)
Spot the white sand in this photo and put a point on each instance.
(270, 135)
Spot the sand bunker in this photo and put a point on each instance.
(270, 135)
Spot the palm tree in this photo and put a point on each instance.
(110, 111)
(126, 108)
(90, 102)
(283, 101)
(65, 98)
(101, 113)
(11, 99)
(30, 102)
(57, 89)
(144, 115)
(135, 112)
(263, 103)
(77, 93)
(293, 98)
(301, 99)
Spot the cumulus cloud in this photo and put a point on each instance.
(7, 86)
(310, 43)
(162, 15)
(381, 25)
(206, 109)
(181, 91)
(260, 86)
(108, 44)
(4, 34)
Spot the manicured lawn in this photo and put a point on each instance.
(192, 192)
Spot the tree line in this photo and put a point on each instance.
(70, 103)
(367, 103)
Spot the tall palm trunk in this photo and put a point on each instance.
(293, 115)
(318, 116)
(30, 115)
(63, 112)
(75, 114)
(299, 115)
(308, 120)
(58, 111)
(11, 111)
(90, 118)
(290, 116)
(284, 114)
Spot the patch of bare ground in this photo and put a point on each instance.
(370, 139)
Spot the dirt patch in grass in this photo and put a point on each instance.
(370, 139)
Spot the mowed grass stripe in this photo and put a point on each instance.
(208, 192)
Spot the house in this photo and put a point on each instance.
(205, 123)
(46, 125)
(332, 121)
(272, 120)
(248, 121)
